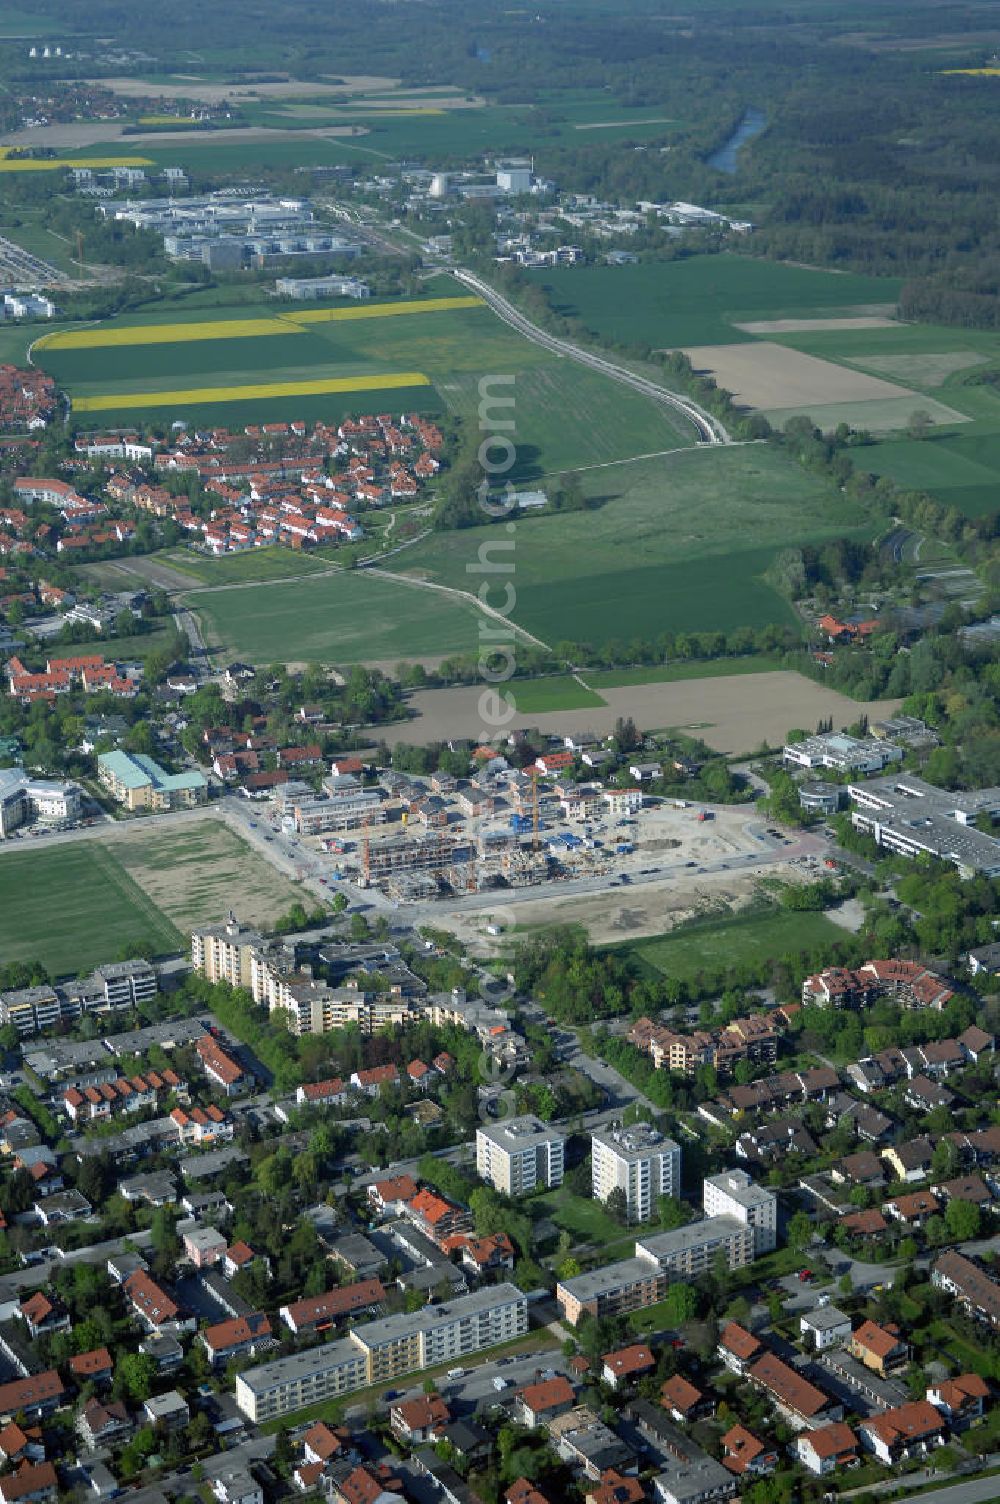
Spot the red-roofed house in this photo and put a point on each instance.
(317, 1313)
(908, 1430)
(243, 1336)
(746, 1453)
(538, 1403)
(826, 1449)
(627, 1364)
(420, 1419)
(961, 1399)
(95, 1367)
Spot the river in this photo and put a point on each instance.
(725, 159)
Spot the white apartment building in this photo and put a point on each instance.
(224, 952)
(638, 1160)
(24, 800)
(734, 1194)
(518, 1154)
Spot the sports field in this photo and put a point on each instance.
(702, 300)
(346, 617)
(92, 908)
(719, 943)
(676, 543)
(228, 366)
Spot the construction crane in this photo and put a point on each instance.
(366, 850)
(534, 809)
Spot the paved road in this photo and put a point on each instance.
(976, 1490)
(708, 428)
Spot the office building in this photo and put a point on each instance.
(905, 814)
(734, 1194)
(842, 753)
(639, 1161)
(518, 1154)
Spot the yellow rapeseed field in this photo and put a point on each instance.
(53, 164)
(973, 72)
(164, 119)
(198, 395)
(202, 329)
(165, 334)
(384, 310)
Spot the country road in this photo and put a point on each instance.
(709, 428)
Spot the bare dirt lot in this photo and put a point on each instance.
(733, 715)
(765, 375)
(651, 907)
(816, 326)
(197, 870)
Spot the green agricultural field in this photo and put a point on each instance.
(961, 472)
(700, 300)
(560, 692)
(729, 942)
(664, 549)
(346, 617)
(566, 415)
(100, 909)
(672, 673)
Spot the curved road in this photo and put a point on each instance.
(710, 430)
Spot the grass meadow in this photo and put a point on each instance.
(100, 908)
(666, 547)
(718, 943)
(347, 617)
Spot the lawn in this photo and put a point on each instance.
(560, 692)
(73, 906)
(673, 673)
(699, 300)
(584, 1219)
(719, 943)
(677, 543)
(346, 617)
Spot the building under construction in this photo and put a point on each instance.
(423, 853)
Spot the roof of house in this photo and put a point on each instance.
(964, 1386)
(916, 1204)
(628, 1360)
(905, 1423)
(147, 1297)
(322, 1440)
(788, 1387)
(741, 1343)
(83, 1365)
(615, 1488)
(549, 1394)
(832, 1440)
(396, 1188)
(876, 1339)
(741, 1447)
(31, 1478)
(423, 1413)
(240, 1329)
(338, 1302)
(677, 1394)
(522, 1491)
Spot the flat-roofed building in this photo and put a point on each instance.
(734, 1194)
(517, 1155)
(301, 1380)
(224, 952)
(907, 815)
(639, 1161)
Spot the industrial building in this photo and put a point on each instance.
(519, 1154)
(306, 288)
(638, 1160)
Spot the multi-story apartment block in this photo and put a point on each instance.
(518, 1154)
(121, 984)
(734, 1194)
(633, 1284)
(24, 800)
(385, 1349)
(224, 952)
(137, 782)
(638, 1160)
